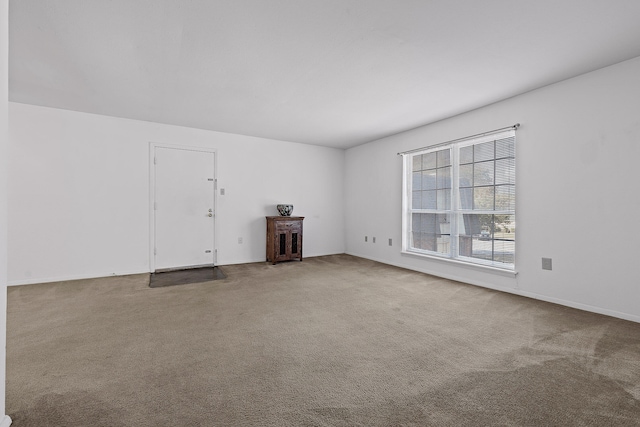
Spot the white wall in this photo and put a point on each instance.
(578, 191)
(4, 124)
(79, 193)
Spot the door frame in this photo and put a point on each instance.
(152, 197)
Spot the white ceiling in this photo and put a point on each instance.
(329, 72)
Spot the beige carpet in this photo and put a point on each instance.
(330, 341)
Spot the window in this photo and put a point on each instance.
(459, 201)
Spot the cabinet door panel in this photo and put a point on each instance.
(295, 246)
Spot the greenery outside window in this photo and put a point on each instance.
(459, 201)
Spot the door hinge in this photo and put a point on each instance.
(155, 251)
(215, 256)
(155, 206)
(215, 184)
(155, 160)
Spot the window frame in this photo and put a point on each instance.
(455, 213)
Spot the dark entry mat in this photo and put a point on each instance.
(183, 277)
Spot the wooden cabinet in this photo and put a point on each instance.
(284, 238)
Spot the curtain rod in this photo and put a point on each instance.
(514, 127)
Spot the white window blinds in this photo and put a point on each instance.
(459, 200)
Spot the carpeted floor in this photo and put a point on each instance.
(331, 341)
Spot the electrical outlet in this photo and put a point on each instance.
(546, 263)
(390, 242)
(239, 240)
(366, 238)
(374, 240)
(222, 191)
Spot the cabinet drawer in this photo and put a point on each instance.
(288, 225)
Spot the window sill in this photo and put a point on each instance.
(472, 266)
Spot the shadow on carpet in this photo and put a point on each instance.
(183, 277)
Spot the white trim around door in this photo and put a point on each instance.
(153, 147)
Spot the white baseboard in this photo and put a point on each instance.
(580, 306)
(264, 259)
(71, 277)
(33, 281)
(455, 277)
(6, 421)
(515, 291)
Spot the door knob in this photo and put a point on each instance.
(210, 214)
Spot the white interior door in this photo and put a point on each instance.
(184, 208)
